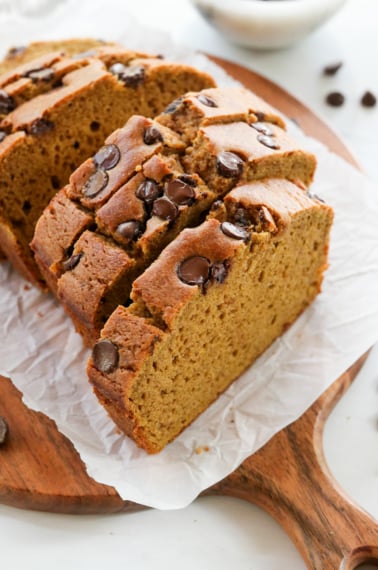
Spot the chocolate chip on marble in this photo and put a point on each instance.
(368, 99)
(262, 128)
(4, 430)
(207, 101)
(95, 183)
(41, 126)
(152, 135)
(131, 229)
(229, 164)
(234, 231)
(332, 68)
(40, 74)
(165, 209)
(6, 102)
(188, 179)
(179, 192)
(71, 262)
(335, 99)
(194, 270)
(268, 141)
(107, 157)
(172, 107)
(105, 356)
(2, 136)
(148, 191)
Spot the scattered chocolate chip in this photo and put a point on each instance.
(229, 164)
(194, 270)
(332, 69)
(41, 126)
(130, 230)
(152, 135)
(71, 262)
(207, 101)
(2, 136)
(335, 99)
(148, 191)
(219, 271)
(172, 107)
(268, 141)
(179, 192)
(6, 102)
(165, 209)
(107, 157)
(241, 217)
(188, 179)
(95, 183)
(233, 231)
(40, 74)
(105, 356)
(262, 128)
(368, 99)
(3, 430)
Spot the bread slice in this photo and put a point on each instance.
(142, 201)
(50, 133)
(211, 303)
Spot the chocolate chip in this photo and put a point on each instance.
(130, 230)
(6, 103)
(3, 430)
(332, 69)
(368, 99)
(165, 209)
(260, 116)
(148, 191)
(133, 76)
(118, 69)
(40, 74)
(172, 107)
(41, 126)
(2, 136)
(205, 100)
(152, 135)
(95, 183)
(179, 192)
(335, 99)
(268, 141)
(107, 157)
(105, 356)
(15, 51)
(219, 271)
(71, 262)
(229, 164)
(233, 231)
(262, 128)
(194, 270)
(188, 179)
(241, 217)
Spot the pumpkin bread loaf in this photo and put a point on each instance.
(138, 192)
(211, 303)
(56, 113)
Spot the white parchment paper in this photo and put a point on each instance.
(46, 360)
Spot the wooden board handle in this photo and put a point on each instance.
(289, 478)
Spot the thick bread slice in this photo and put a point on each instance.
(211, 303)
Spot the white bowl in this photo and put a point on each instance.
(268, 24)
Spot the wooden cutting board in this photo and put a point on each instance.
(288, 477)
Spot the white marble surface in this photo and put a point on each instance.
(219, 532)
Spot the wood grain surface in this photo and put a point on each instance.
(288, 477)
